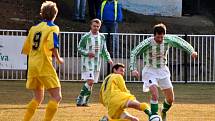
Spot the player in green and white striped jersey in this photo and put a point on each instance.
(92, 47)
(155, 72)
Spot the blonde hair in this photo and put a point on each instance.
(48, 10)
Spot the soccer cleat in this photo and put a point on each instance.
(104, 118)
(163, 116)
(85, 105)
(79, 100)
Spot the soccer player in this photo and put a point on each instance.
(41, 43)
(115, 96)
(155, 72)
(92, 47)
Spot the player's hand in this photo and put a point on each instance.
(91, 55)
(60, 60)
(135, 73)
(194, 55)
(110, 62)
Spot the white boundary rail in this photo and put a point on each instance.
(183, 68)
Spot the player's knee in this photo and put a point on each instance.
(134, 119)
(58, 98)
(39, 99)
(154, 92)
(170, 100)
(155, 96)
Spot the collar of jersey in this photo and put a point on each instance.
(49, 23)
(93, 34)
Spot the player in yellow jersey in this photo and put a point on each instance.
(41, 43)
(115, 96)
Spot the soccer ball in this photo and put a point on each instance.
(155, 118)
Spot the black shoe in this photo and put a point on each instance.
(78, 105)
(85, 105)
(82, 105)
(79, 100)
(104, 118)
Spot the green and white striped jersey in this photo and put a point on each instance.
(95, 44)
(155, 55)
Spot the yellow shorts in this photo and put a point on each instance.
(118, 103)
(42, 82)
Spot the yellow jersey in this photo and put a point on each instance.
(42, 38)
(114, 95)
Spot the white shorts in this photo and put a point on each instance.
(90, 75)
(156, 76)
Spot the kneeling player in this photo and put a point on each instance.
(115, 96)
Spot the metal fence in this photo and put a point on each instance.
(182, 67)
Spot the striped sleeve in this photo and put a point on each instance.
(180, 43)
(141, 48)
(82, 45)
(105, 54)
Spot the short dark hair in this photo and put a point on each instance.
(48, 10)
(116, 66)
(96, 21)
(159, 29)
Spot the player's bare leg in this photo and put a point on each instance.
(169, 99)
(139, 106)
(127, 117)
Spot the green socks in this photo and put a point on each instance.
(166, 106)
(84, 96)
(154, 107)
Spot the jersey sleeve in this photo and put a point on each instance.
(121, 83)
(136, 51)
(27, 45)
(53, 38)
(105, 54)
(82, 45)
(180, 43)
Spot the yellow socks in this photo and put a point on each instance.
(51, 110)
(145, 107)
(31, 108)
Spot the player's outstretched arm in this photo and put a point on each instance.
(180, 43)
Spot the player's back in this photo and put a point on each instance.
(113, 85)
(41, 39)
